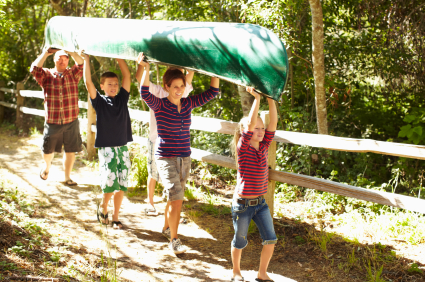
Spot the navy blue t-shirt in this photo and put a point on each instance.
(112, 120)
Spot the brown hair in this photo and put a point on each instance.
(106, 75)
(172, 74)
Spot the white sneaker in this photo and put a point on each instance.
(167, 233)
(176, 246)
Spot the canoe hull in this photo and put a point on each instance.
(244, 54)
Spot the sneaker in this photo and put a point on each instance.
(167, 233)
(176, 246)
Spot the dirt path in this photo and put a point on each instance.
(140, 249)
(142, 254)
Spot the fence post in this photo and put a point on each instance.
(91, 136)
(19, 103)
(272, 165)
(2, 84)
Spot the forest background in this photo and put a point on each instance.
(374, 76)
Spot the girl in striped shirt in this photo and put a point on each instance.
(251, 145)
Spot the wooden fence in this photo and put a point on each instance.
(228, 127)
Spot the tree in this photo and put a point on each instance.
(319, 65)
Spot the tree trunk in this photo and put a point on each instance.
(291, 76)
(149, 8)
(83, 13)
(319, 66)
(2, 84)
(19, 103)
(56, 4)
(246, 100)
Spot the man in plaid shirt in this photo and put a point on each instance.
(61, 126)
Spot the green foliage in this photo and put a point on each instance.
(139, 170)
(54, 254)
(192, 193)
(374, 275)
(375, 78)
(414, 129)
(299, 240)
(414, 268)
(252, 228)
(214, 205)
(5, 266)
(20, 249)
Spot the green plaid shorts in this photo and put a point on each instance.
(114, 168)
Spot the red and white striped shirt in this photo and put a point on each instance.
(253, 169)
(60, 93)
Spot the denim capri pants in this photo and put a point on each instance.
(242, 215)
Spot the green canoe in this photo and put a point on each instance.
(244, 54)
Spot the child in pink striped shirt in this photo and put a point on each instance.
(252, 142)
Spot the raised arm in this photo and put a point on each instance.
(77, 58)
(215, 82)
(87, 78)
(273, 115)
(39, 62)
(253, 113)
(126, 80)
(189, 76)
(142, 74)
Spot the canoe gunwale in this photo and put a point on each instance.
(152, 61)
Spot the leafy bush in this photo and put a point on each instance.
(139, 170)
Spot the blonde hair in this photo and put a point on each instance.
(242, 125)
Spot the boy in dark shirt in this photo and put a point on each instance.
(113, 131)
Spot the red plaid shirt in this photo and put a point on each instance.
(60, 93)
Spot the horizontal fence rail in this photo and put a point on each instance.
(298, 138)
(7, 90)
(384, 198)
(314, 140)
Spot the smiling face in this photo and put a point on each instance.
(259, 131)
(110, 86)
(61, 62)
(176, 89)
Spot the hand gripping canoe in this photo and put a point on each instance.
(244, 54)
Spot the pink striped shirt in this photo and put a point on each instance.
(253, 169)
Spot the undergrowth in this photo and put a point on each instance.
(35, 247)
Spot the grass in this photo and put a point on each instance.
(212, 204)
(33, 131)
(192, 193)
(403, 225)
(36, 247)
(359, 218)
(374, 275)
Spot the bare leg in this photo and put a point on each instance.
(104, 205)
(266, 255)
(68, 163)
(151, 190)
(166, 212)
(118, 197)
(174, 217)
(47, 164)
(236, 260)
